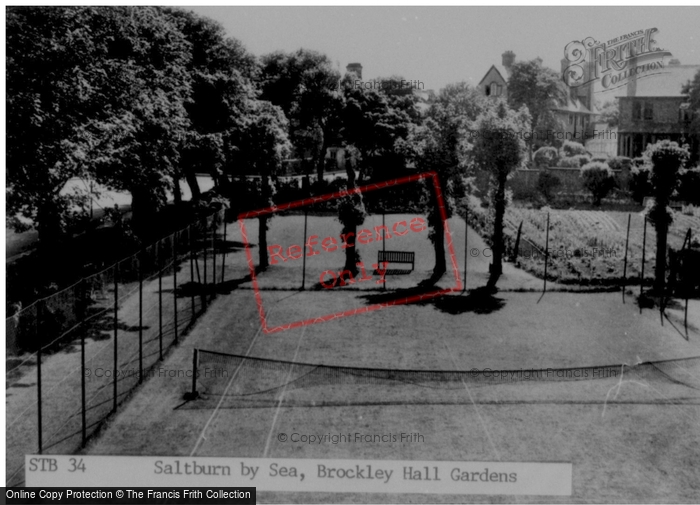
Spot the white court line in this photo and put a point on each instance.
(481, 419)
(284, 390)
(201, 437)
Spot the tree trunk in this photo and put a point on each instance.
(351, 255)
(496, 267)
(660, 270)
(177, 192)
(143, 210)
(321, 159)
(262, 242)
(440, 262)
(192, 182)
(51, 235)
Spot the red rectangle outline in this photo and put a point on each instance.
(322, 198)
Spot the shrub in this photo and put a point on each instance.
(689, 188)
(598, 179)
(570, 149)
(546, 183)
(546, 157)
(619, 162)
(577, 161)
(600, 159)
(640, 185)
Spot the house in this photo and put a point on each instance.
(654, 109)
(575, 114)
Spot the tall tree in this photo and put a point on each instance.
(305, 85)
(91, 90)
(222, 74)
(538, 88)
(498, 149)
(261, 144)
(435, 146)
(667, 159)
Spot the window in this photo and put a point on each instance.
(571, 119)
(648, 111)
(637, 110)
(488, 90)
(497, 88)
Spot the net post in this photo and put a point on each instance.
(116, 309)
(624, 271)
(174, 287)
(39, 310)
(383, 250)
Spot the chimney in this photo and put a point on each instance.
(508, 58)
(674, 62)
(539, 61)
(356, 68)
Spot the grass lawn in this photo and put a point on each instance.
(630, 439)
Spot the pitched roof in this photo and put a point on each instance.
(500, 71)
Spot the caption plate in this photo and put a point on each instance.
(306, 475)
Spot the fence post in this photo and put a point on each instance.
(116, 348)
(546, 256)
(140, 260)
(223, 250)
(383, 250)
(303, 265)
(194, 373)
(517, 242)
(213, 255)
(466, 247)
(159, 261)
(189, 238)
(39, 313)
(624, 271)
(204, 246)
(82, 383)
(644, 249)
(174, 283)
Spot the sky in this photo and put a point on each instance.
(442, 45)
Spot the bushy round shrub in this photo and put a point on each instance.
(689, 188)
(570, 149)
(598, 179)
(619, 162)
(547, 182)
(546, 157)
(577, 161)
(640, 184)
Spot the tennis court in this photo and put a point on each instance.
(625, 429)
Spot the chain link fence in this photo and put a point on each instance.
(75, 356)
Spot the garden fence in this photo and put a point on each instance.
(74, 356)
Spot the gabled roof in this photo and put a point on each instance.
(501, 73)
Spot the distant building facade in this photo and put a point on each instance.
(654, 109)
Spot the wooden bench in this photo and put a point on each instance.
(397, 257)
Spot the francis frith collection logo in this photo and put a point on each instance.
(615, 62)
